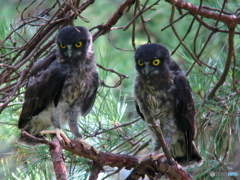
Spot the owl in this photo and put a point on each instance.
(61, 87)
(162, 93)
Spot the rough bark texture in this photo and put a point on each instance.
(58, 160)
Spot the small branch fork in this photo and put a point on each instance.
(121, 77)
(101, 159)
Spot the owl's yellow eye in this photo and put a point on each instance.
(156, 62)
(78, 44)
(140, 63)
(62, 46)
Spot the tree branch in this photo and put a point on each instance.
(228, 19)
(227, 64)
(58, 160)
(147, 166)
(103, 29)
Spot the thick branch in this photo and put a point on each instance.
(228, 19)
(147, 166)
(58, 160)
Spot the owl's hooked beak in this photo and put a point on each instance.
(148, 70)
(69, 51)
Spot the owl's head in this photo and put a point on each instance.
(74, 42)
(152, 60)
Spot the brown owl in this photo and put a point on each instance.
(162, 93)
(61, 86)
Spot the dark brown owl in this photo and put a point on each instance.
(162, 93)
(61, 87)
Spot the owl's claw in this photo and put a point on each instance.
(154, 156)
(144, 157)
(88, 146)
(59, 134)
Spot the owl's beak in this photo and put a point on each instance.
(147, 71)
(69, 51)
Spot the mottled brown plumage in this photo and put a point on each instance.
(162, 92)
(61, 86)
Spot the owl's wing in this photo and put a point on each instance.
(45, 86)
(184, 106)
(91, 96)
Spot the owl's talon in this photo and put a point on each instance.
(144, 157)
(88, 146)
(157, 156)
(59, 134)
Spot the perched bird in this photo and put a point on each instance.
(162, 93)
(61, 86)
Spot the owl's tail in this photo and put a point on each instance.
(185, 156)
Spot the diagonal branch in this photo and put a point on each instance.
(227, 64)
(103, 29)
(163, 143)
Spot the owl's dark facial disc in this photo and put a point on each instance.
(148, 69)
(151, 60)
(73, 42)
(70, 51)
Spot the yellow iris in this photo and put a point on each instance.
(78, 44)
(62, 46)
(140, 63)
(156, 62)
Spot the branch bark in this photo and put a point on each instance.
(103, 29)
(228, 19)
(101, 159)
(58, 160)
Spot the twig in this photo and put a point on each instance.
(163, 143)
(189, 29)
(227, 64)
(103, 29)
(121, 76)
(115, 127)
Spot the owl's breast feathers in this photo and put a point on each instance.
(155, 96)
(80, 87)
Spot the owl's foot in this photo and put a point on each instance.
(88, 146)
(144, 157)
(59, 134)
(154, 156)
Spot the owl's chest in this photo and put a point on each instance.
(74, 87)
(155, 100)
